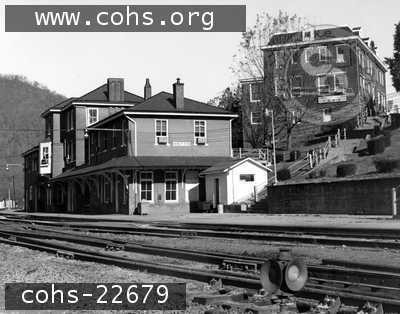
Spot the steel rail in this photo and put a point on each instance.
(323, 272)
(274, 237)
(182, 272)
(334, 231)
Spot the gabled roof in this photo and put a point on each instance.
(59, 106)
(230, 164)
(100, 94)
(164, 102)
(30, 150)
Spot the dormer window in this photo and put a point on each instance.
(308, 35)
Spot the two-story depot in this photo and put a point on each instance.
(110, 150)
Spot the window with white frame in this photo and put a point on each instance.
(308, 35)
(146, 186)
(323, 54)
(340, 82)
(171, 184)
(340, 51)
(92, 116)
(255, 117)
(296, 56)
(308, 53)
(322, 84)
(45, 156)
(161, 127)
(255, 90)
(200, 129)
(297, 84)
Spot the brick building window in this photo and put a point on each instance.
(171, 183)
(322, 84)
(255, 91)
(340, 54)
(255, 117)
(323, 54)
(146, 186)
(308, 53)
(297, 84)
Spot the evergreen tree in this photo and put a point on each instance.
(394, 63)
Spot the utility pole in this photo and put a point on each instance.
(271, 113)
(13, 183)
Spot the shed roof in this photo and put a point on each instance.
(144, 162)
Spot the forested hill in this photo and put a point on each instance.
(21, 127)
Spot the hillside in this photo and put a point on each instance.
(21, 126)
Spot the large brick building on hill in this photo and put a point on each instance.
(324, 77)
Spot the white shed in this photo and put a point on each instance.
(234, 181)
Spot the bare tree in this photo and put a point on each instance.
(250, 63)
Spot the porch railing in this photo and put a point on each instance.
(262, 154)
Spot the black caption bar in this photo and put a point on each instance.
(95, 296)
(125, 18)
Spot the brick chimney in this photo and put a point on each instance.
(178, 94)
(147, 89)
(115, 89)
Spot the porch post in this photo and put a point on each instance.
(116, 180)
(131, 192)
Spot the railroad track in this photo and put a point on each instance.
(257, 235)
(354, 284)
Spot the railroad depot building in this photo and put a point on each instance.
(111, 151)
(326, 78)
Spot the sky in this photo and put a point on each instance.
(75, 63)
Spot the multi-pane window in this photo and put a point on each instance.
(255, 117)
(296, 55)
(255, 92)
(297, 83)
(171, 183)
(146, 186)
(199, 129)
(340, 54)
(92, 115)
(323, 54)
(45, 156)
(70, 119)
(322, 84)
(333, 82)
(162, 131)
(308, 53)
(340, 83)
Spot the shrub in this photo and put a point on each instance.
(386, 165)
(346, 170)
(387, 138)
(376, 145)
(317, 174)
(283, 174)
